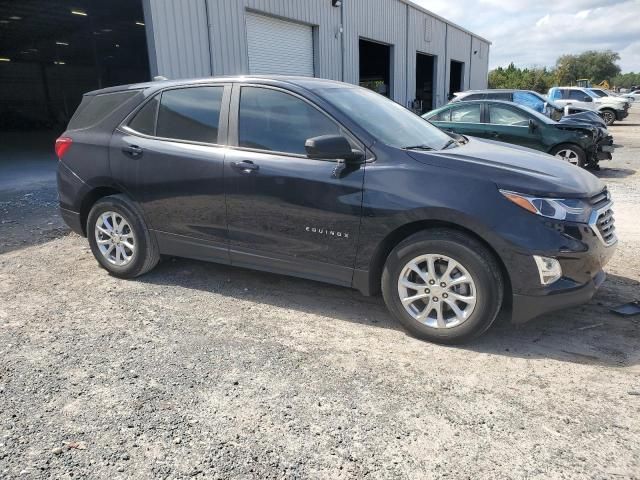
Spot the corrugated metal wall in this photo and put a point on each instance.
(180, 39)
(192, 38)
(229, 40)
(383, 21)
(427, 35)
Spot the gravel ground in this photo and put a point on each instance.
(205, 371)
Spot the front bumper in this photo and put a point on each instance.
(605, 148)
(586, 250)
(622, 114)
(565, 295)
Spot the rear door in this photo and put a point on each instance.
(170, 158)
(286, 212)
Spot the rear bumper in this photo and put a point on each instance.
(72, 219)
(528, 307)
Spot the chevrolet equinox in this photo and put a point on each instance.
(335, 183)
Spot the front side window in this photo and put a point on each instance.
(276, 121)
(443, 116)
(190, 114)
(384, 119)
(556, 94)
(500, 115)
(529, 100)
(466, 114)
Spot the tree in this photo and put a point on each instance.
(593, 65)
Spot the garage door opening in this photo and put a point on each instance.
(425, 82)
(52, 52)
(375, 67)
(456, 78)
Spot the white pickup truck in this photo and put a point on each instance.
(611, 108)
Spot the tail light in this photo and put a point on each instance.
(62, 145)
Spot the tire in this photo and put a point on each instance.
(143, 255)
(570, 153)
(475, 261)
(609, 116)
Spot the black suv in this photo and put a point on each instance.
(332, 182)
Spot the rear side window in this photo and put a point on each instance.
(95, 108)
(529, 100)
(145, 120)
(443, 116)
(466, 114)
(191, 114)
(279, 122)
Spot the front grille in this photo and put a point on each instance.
(604, 226)
(600, 199)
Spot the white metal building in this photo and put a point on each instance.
(393, 46)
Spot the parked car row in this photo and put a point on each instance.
(570, 132)
(611, 107)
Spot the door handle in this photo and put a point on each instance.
(133, 151)
(246, 166)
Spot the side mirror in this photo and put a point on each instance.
(332, 147)
(587, 98)
(532, 126)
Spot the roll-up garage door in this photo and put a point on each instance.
(279, 47)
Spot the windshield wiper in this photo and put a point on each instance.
(449, 143)
(417, 147)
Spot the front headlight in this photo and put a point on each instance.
(571, 209)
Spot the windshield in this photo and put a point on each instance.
(539, 116)
(385, 119)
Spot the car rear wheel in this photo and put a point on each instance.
(119, 238)
(570, 153)
(443, 286)
(609, 117)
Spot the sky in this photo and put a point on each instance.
(536, 33)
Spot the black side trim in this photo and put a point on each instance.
(189, 247)
(72, 219)
(311, 270)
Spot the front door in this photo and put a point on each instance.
(173, 167)
(511, 125)
(286, 212)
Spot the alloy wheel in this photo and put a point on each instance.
(608, 117)
(115, 238)
(437, 291)
(569, 155)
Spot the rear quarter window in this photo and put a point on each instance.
(95, 108)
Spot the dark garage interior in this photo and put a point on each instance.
(51, 52)
(375, 66)
(425, 81)
(456, 77)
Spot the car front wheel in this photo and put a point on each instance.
(609, 117)
(443, 286)
(570, 153)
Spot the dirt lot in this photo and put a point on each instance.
(198, 370)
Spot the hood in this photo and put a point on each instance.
(515, 168)
(589, 118)
(612, 101)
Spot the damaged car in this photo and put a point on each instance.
(571, 139)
